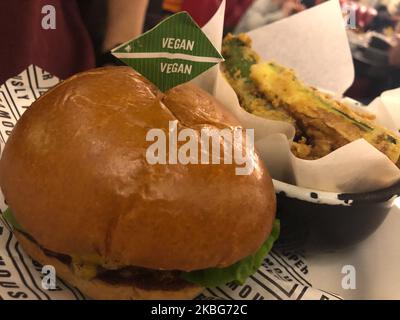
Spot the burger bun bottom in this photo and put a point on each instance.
(97, 289)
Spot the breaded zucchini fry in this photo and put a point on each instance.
(238, 60)
(322, 123)
(326, 122)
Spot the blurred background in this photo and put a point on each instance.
(87, 29)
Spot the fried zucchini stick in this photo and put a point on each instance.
(238, 60)
(325, 124)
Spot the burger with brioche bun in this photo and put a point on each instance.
(83, 198)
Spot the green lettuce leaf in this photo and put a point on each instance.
(237, 272)
(10, 218)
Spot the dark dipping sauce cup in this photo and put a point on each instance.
(319, 221)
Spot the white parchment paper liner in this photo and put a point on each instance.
(314, 43)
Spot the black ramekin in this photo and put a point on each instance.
(319, 221)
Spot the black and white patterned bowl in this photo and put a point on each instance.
(319, 221)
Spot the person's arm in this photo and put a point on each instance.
(125, 20)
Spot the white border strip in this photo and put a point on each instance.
(167, 55)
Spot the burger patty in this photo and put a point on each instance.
(143, 278)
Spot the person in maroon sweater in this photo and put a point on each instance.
(52, 34)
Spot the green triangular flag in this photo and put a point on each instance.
(173, 52)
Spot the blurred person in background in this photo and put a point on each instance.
(85, 30)
(64, 37)
(381, 20)
(201, 11)
(159, 10)
(263, 12)
(394, 54)
(394, 61)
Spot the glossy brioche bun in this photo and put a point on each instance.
(75, 174)
(101, 290)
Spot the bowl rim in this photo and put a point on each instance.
(387, 194)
